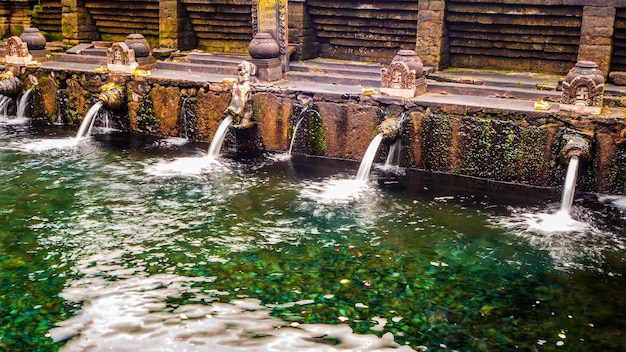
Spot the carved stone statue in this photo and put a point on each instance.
(240, 107)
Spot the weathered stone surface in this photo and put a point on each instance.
(348, 129)
(272, 114)
(166, 102)
(45, 99)
(211, 106)
(600, 54)
(78, 100)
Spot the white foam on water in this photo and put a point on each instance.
(194, 166)
(133, 314)
(335, 190)
(570, 242)
(48, 144)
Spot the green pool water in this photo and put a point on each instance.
(101, 249)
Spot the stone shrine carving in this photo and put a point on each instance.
(583, 88)
(404, 76)
(240, 106)
(398, 76)
(121, 58)
(16, 52)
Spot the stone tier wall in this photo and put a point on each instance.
(504, 146)
(532, 37)
(618, 58)
(116, 19)
(47, 17)
(370, 30)
(222, 26)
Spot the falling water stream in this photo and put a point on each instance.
(368, 158)
(4, 105)
(23, 103)
(218, 138)
(85, 127)
(569, 188)
(295, 130)
(394, 154)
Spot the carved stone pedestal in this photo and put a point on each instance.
(268, 69)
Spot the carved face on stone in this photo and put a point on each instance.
(396, 79)
(244, 70)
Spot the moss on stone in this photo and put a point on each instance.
(316, 133)
(437, 134)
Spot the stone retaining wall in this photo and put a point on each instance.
(498, 145)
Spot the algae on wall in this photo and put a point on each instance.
(437, 138)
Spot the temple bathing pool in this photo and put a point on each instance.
(125, 244)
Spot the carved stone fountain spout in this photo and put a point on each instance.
(112, 95)
(10, 86)
(575, 145)
(390, 128)
(240, 107)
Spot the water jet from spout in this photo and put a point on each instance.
(85, 127)
(368, 158)
(4, 105)
(23, 102)
(218, 139)
(570, 186)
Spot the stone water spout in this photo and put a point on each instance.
(575, 145)
(10, 86)
(112, 96)
(240, 107)
(390, 128)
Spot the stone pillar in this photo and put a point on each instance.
(302, 35)
(175, 30)
(76, 23)
(19, 17)
(271, 16)
(432, 37)
(596, 36)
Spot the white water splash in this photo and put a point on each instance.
(571, 243)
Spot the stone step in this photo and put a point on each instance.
(339, 79)
(82, 59)
(216, 59)
(336, 67)
(492, 91)
(184, 66)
